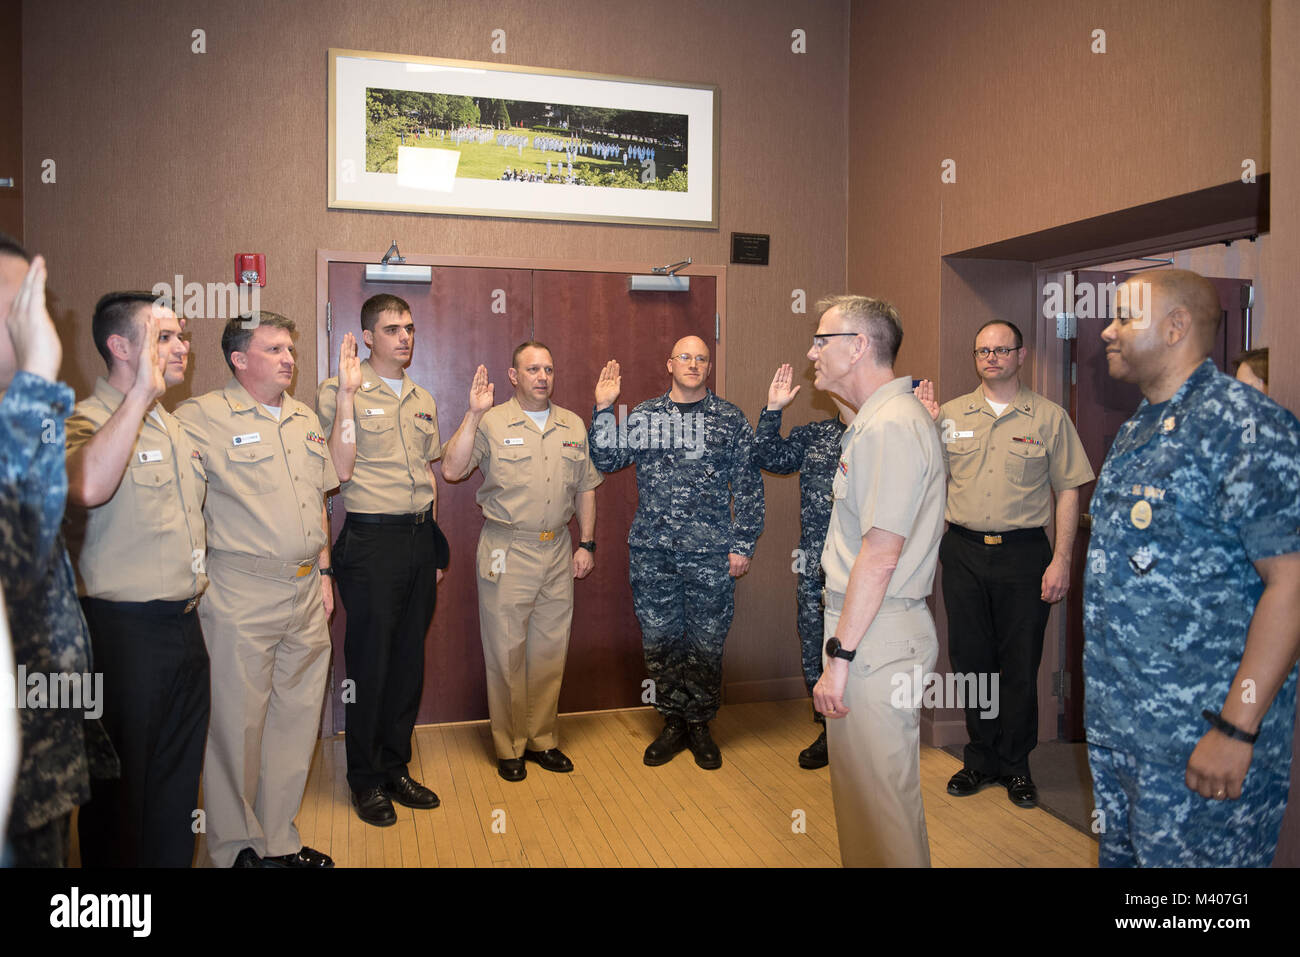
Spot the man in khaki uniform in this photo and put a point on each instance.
(265, 615)
(135, 487)
(383, 438)
(1006, 449)
(537, 472)
(880, 554)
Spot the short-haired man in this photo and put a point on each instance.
(536, 474)
(1006, 449)
(48, 631)
(879, 561)
(383, 438)
(686, 547)
(265, 614)
(135, 480)
(1191, 596)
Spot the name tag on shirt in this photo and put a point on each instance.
(514, 441)
(248, 437)
(374, 411)
(969, 434)
(151, 455)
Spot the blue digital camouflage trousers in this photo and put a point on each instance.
(684, 602)
(811, 621)
(1150, 818)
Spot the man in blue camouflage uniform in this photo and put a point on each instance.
(1192, 596)
(813, 451)
(694, 455)
(49, 633)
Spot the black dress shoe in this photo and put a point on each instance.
(411, 793)
(512, 769)
(247, 858)
(1021, 790)
(701, 744)
(671, 740)
(968, 781)
(373, 807)
(815, 755)
(552, 759)
(306, 857)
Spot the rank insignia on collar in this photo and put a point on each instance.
(1168, 425)
(1142, 561)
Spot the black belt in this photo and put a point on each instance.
(1000, 538)
(157, 609)
(372, 518)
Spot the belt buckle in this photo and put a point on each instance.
(546, 536)
(992, 539)
(304, 569)
(421, 518)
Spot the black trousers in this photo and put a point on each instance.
(387, 579)
(996, 619)
(156, 698)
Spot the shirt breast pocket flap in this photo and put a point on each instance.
(152, 474)
(1027, 463)
(315, 451)
(514, 455)
(252, 468)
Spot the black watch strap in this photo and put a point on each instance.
(835, 650)
(327, 571)
(1222, 724)
(589, 546)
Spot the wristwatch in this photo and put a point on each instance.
(327, 571)
(835, 650)
(589, 546)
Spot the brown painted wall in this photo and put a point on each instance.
(170, 162)
(11, 117)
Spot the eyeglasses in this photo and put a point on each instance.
(819, 342)
(1002, 351)
(684, 358)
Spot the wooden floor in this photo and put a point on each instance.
(613, 811)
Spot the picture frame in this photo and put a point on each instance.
(431, 135)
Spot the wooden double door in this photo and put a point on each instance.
(471, 315)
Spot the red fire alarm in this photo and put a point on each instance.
(250, 269)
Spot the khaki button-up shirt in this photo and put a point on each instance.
(145, 543)
(1000, 467)
(890, 476)
(396, 439)
(530, 477)
(266, 478)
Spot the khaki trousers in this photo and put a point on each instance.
(525, 607)
(875, 752)
(268, 642)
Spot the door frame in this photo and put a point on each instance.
(324, 257)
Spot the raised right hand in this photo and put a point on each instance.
(608, 385)
(349, 364)
(480, 391)
(925, 393)
(36, 343)
(149, 382)
(779, 393)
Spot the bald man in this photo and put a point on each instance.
(694, 455)
(1192, 596)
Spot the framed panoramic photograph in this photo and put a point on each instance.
(419, 134)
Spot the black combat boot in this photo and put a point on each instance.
(670, 741)
(701, 743)
(814, 756)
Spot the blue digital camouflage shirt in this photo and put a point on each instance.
(45, 622)
(686, 481)
(1193, 491)
(813, 451)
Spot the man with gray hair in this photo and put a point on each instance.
(265, 614)
(879, 559)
